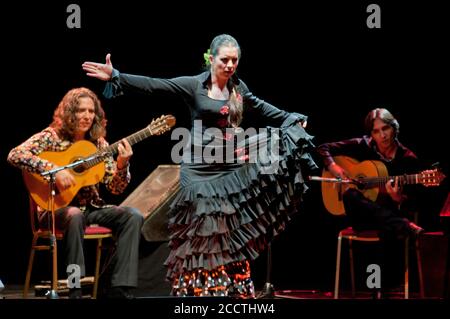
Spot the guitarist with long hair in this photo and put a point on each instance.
(80, 117)
(388, 213)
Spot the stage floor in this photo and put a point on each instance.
(16, 292)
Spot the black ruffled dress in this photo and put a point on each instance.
(228, 207)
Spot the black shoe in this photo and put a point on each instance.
(415, 230)
(75, 293)
(118, 293)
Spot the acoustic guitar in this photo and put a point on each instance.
(367, 177)
(92, 166)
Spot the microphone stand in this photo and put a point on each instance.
(50, 176)
(268, 289)
(52, 293)
(333, 180)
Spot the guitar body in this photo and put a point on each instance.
(332, 193)
(39, 187)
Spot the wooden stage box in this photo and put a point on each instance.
(153, 197)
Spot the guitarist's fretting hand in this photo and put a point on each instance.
(394, 190)
(125, 152)
(337, 171)
(64, 180)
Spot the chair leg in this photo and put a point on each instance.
(352, 266)
(407, 268)
(29, 269)
(419, 268)
(338, 267)
(97, 268)
(446, 292)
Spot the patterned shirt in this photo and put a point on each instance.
(26, 156)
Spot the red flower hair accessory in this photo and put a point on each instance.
(224, 110)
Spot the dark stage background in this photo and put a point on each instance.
(317, 59)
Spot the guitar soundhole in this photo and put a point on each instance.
(360, 182)
(80, 168)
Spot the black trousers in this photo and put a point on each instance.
(125, 222)
(363, 214)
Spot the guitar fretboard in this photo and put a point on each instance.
(132, 139)
(381, 181)
(100, 155)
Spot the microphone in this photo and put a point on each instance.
(97, 156)
(101, 155)
(331, 180)
(79, 165)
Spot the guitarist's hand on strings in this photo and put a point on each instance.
(125, 152)
(394, 190)
(337, 171)
(64, 180)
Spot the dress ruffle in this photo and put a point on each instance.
(231, 218)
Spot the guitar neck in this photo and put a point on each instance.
(132, 139)
(402, 180)
(113, 148)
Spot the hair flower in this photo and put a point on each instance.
(206, 57)
(224, 110)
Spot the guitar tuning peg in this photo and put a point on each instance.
(436, 165)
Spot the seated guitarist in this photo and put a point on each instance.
(387, 213)
(80, 116)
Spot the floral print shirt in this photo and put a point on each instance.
(26, 156)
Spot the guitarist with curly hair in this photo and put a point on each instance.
(79, 123)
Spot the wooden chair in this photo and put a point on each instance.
(368, 236)
(92, 233)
